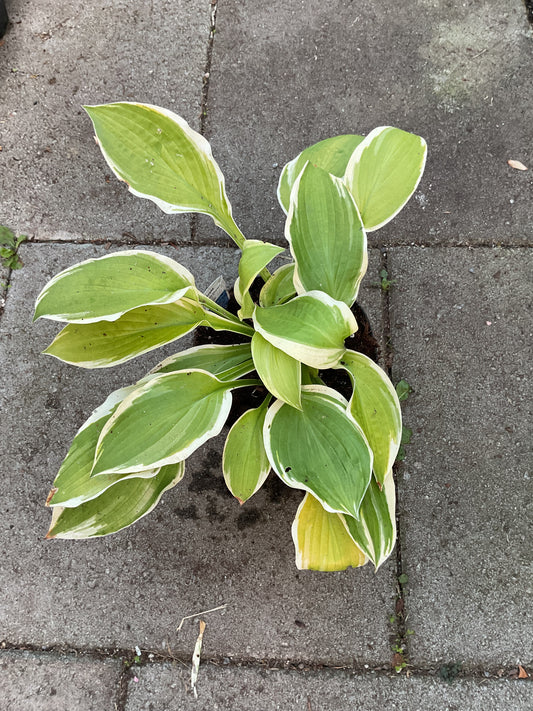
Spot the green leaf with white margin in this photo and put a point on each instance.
(326, 236)
(332, 155)
(255, 256)
(310, 328)
(320, 449)
(383, 173)
(321, 539)
(375, 406)
(244, 460)
(281, 374)
(375, 531)
(73, 484)
(107, 343)
(162, 158)
(116, 508)
(226, 362)
(162, 422)
(279, 288)
(107, 287)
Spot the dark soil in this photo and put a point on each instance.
(244, 399)
(529, 8)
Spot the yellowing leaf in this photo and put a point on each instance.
(321, 539)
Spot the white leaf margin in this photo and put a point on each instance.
(179, 269)
(338, 401)
(356, 157)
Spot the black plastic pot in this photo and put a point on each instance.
(3, 18)
(362, 341)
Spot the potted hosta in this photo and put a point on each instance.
(339, 451)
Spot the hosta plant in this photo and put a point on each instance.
(337, 450)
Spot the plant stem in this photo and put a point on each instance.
(246, 383)
(239, 239)
(221, 323)
(217, 308)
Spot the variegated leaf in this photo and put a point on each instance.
(160, 157)
(375, 530)
(332, 155)
(280, 373)
(326, 236)
(255, 257)
(107, 287)
(244, 460)
(310, 328)
(320, 449)
(383, 173)
(107, 343)
(73, 484)
(279, 288)
(116, 508)
(375, 406)
(162, 422)
(226, 362)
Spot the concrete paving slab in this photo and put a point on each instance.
(461, 331)
(48, 682)
(456, 73)
(196, 551)
(251, 689)
(60, 54)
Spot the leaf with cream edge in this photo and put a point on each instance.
(73, 484)
(326, 236)
(375, 531)
(311, 328)
(255, 257)
(375, 406)
(116, 508)
(320, 449)
(244, 461)
(281, 374)
(226, 362)
(161, 158)
(321, 539)
(107, 343)
(383, 173)
(331, 154)
(163, 421)
(279, 288)
(107, 287)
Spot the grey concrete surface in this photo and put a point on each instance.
(241, 689)
(43, 682)
(57, 56)
(462, 338)
(196, 551)
(282, 76)
(456, 73)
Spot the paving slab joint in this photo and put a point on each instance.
(448, 671)
(121, 700)
(205, 92)
(400, 636)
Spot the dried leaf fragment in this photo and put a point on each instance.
(196, 658)
(516, 164)
(522, 673)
